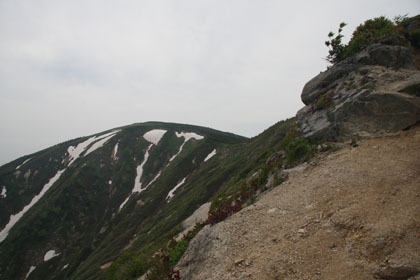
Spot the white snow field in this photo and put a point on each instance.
(74, 153)
(15, 218)
(50, 254)
(124, 202)
(152, 136)
(19, 166)
(171, 192)
(209, 156)
(32, 268)
(187, 136)
(114, 155)
(3, 193)
(99, 143)
(154, 179)
(137, 183)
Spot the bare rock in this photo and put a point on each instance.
(372, 93)
(376, 54)
(397, 271)
(276, 177)
(384, 55)
(201, 249)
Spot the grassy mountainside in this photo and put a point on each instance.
(223, 178)
(79, 216)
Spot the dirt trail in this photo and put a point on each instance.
(351, 214)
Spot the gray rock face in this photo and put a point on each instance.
(374, 92)
(382, 55)
(202, 248)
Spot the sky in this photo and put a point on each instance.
(75, 68)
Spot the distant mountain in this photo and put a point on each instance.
(71, 208)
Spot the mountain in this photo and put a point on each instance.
(302, 200)
(81, 202)
(72, 210)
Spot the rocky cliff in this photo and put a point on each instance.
(353, 213)
(374, 92)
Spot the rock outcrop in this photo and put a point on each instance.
(374, 92)
(347, 214)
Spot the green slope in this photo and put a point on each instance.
(79, 215)
(80, 218)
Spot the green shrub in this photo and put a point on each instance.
(297, 148)
(410, 28)
(175, 253)
(128, 266)
(324, 101)
(378, 30)
(337, 49)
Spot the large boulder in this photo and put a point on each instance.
(396, 57)
(373, 92)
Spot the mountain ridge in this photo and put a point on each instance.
(84, 162)
(110, 205)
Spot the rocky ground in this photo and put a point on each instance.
(348, 214)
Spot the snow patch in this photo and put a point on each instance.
(99, 143)
(209, 156)
(50, 254)
(154, 136)
(65, 266)
(23, 163)
(124, 202)
(15, 218)
(187, 136)
(109, 182)
(154, 179)
(31, 269)
(114, 155)
(171, 192)
(3, 192)
(75, 152)
(137, 183)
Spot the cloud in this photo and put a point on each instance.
(74, 68)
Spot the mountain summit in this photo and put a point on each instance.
(84, 200)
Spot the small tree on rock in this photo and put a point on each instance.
(337, 48)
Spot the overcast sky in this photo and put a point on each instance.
(75, 68)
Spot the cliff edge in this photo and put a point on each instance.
(353, 213)
(373, 93)
(349, 214)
